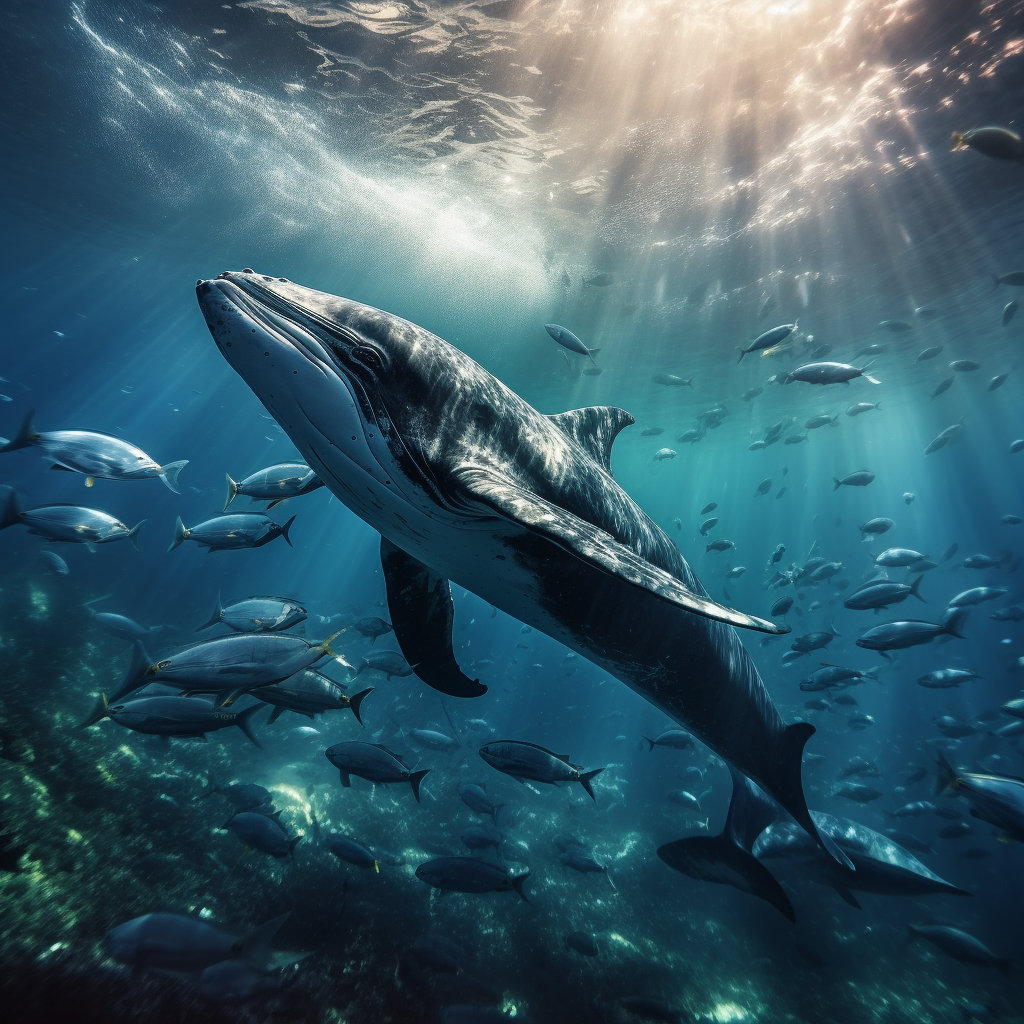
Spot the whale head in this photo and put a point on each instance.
(380, 407)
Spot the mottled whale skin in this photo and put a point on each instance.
(467, 482)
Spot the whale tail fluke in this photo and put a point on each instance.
(720, 859)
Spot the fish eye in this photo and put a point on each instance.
(371, 358)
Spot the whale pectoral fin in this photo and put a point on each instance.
(420, 602)
(598, 548)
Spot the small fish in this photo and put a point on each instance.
(55, 565)
(672, 381)
(997, 382)
(470, 875)
(829, 373)
(275, 483)
(943, 386)
(964, 365)
(858, 792)
(994, 142)
(720, 545)
(768, 339)
(929, 353)
(94, 455)
(859, 479)
(568, 340)
(1008, 312)
(896, 326)
(602, 280)
(856, 410)
(709, 507)
(664, 453)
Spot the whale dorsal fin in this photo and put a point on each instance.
(594, 429)
(594, 546)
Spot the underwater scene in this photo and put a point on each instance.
(512, 511)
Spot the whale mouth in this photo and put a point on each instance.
(284, 319)
(319, 339)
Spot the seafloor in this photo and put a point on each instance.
(101, 825)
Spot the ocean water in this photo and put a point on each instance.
(667, 181)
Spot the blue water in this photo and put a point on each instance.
(468, 167)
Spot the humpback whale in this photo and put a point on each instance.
(466, 482)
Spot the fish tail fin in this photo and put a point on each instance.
(949, 779)
(10, 515)
(292, 843)
(218, 610)
(99, 712)
(836, 483)
(181, 533)
(232, 490)
(650, 744)
(915, 588)
(133, 534)
(25, 436)
(415, 778)
(957, 138)
(243, 723)
(255, 947)
(585, 782)
(284, 531)
(276, 714)
(356, 699)
(743, 352)
(326, 644)
(953, 621)
(138, 669)
(517, 883)
(704, 857)
(169, 474)
(787, 786)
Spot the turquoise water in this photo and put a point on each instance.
(713, 171)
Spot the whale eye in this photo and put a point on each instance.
(371, 358)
